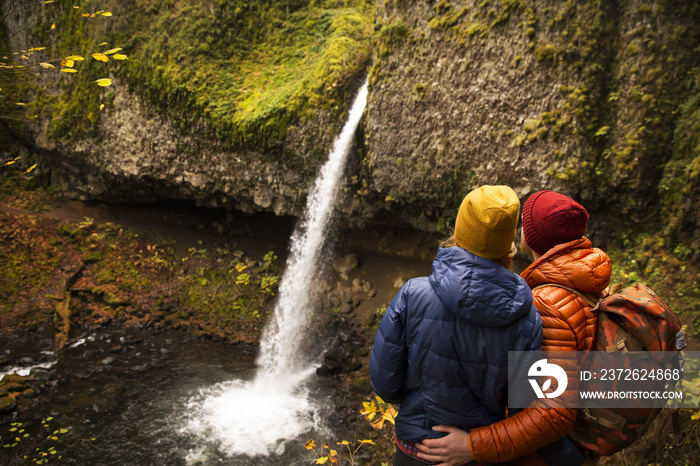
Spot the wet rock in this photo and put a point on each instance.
(28, 393)
(13, 379)
(39, 373)
(328, 368)
(344, 265)
(362, 385)
(7, 404)
(346, 308)
(109, 360)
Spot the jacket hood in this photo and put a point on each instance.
(576, 264)
(479, 290)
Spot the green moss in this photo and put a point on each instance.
(389, 36)
(252, 70)
(545, 52)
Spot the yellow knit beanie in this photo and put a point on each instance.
(487, 220)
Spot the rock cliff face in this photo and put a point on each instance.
(139, 155)
(577, 96)
(574, 96)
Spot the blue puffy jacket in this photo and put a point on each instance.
(442, 348)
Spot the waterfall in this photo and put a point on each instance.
(250, 418)
(279, 356)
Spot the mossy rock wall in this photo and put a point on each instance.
(232, 105)
(577, 96)
(237, 105)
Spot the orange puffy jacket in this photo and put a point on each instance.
(568, 324)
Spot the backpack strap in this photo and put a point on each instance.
(587, 297)
(604, 417)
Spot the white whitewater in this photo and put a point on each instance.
(254, 417)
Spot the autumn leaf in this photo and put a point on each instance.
(322, 460)
(310, 444)
(53, 26)
(67, 63)
(31, 168)
(75, 58)
(344, 442)
(106, 13)
(69, 70)
(47, 66)
(100, 57)
(120, 56)
(102, 106)
(21, 104)
(388, 417)
(103, 82)
(111, 51)
(369, 411)
(367, 441)
(378, 424)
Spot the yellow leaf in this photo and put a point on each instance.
(102, 107)
(36, 49)
(388, 417)
(103, 82)
(120, 56)
(76, 7)
(69, 70)
(367, 441)
(10, 162)
(31, 168)
(21, 104)
(344, 442)
(378, 424)
(48, 1)
(111, 51)
(67, 63)
(106, 13)
(47, 66)
(103, 43)
(100, 57)
(85, 15)
(310, 444)
(322, 460)
(75, 58)
(53, 26)
(694, 417)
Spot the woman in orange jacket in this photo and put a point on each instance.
(553, 229)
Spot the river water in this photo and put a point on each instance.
(125, 396)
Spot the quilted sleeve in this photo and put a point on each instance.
(545, 420)
(389, 358)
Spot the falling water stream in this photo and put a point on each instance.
(256, 417)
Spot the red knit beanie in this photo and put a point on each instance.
(551, 218)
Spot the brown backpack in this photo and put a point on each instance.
(635, 320)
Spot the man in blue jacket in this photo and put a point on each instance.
(442, 348)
